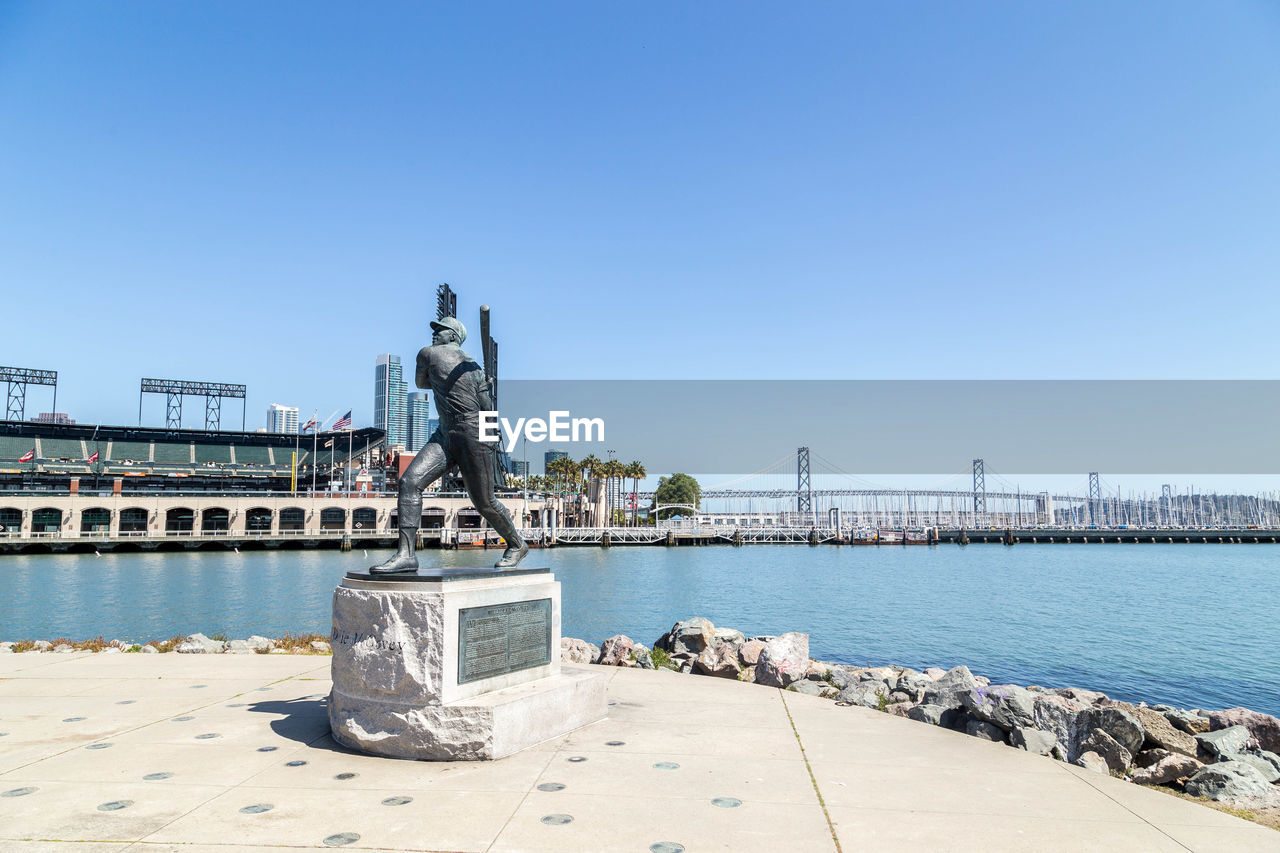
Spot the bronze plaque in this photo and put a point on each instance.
(502, 638)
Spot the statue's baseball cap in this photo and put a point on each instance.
(453, 324)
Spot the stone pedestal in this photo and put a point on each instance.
(453, 665)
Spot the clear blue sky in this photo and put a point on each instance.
(268, 193)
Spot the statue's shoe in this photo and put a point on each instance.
(397, 565)
(512, 556)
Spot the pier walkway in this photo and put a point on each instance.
(211, 754)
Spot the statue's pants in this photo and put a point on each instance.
(475, 460)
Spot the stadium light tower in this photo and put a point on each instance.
(175, 389)
(19, 378)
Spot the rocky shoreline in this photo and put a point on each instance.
(192, 644)
(1230, 756)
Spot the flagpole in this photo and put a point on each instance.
(293, 463)
(348, 477)
(315, 436)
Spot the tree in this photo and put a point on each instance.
(677, 489)
(635, 470)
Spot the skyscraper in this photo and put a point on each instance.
(551, 456)
(520, 467)
(282, 419)
(389, 399)
(418, 420)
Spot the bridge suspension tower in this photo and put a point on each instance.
(979, 489)
(804, 489)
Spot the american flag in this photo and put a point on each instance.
(343, 422)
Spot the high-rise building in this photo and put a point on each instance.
(520, 467)
(551, 456)
(282, 419)
(418, 420)
(389, 399)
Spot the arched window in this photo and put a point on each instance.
(215, 519)
(95, 520)
(179, 520)
(133, 520)
(46, 520)
(258, 520)
(293, 518)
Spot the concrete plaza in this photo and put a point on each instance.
(221, 753)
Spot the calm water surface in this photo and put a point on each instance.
(1191, 625)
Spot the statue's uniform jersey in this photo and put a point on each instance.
(459, 386)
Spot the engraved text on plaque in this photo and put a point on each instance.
(503, 638)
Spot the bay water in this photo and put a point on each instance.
(1188, 625)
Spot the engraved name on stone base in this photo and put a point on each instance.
(503, 638)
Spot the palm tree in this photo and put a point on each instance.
(635, 470)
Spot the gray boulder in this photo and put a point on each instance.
(804, 685)
(1117, 722)
(947, 690)
(149, 649)
(842, 677)
(931, 714)
(1267, 756)
(899, 709)
(616, 649)
(719, 659)
(868, 694)
(1059, 715)
(259, 644)
(1161, 734)
(1092, 761)
(1264, 728)
(1259, 761)
(1099, 742)
(240, 647)
(783, 660)
(886, 675)
(984, 731)
(199, 644)
(1032, 740)
(642, 658)
(913, 683)
(1185, 721)
(1168, 769)
(731, 636)
(1005, 705)
(1227, 741)
(1227, 781)
(691, 636)
(934, 673)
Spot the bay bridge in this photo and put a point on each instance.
(848, 501)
